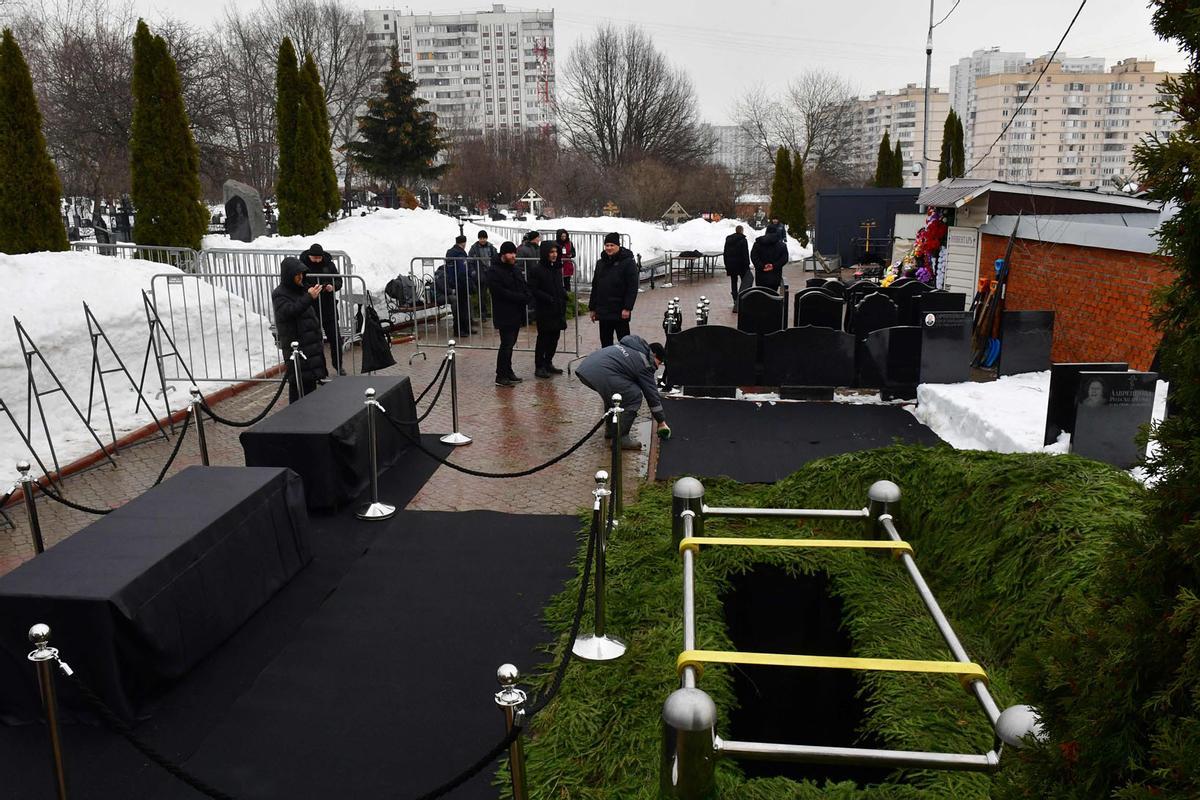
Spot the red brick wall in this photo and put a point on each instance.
(1101, 298)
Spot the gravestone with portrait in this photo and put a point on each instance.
(244, 217)
(1025, 341)
(946, 346)
(1064, 385)
(1110, 409)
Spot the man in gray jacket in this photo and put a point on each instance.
(627, 368)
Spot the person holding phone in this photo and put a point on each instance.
(319, 262)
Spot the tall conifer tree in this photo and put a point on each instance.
(958, 156)
(797, 221)
(781, 185)
(287, 116)
(883, 164)
(308, 171)
(310, 80)
(30, 193)
(949, 131)
(897, 167)
(165, 162)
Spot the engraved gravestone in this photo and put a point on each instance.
(1110, 408)
(244, 217)
(946, 347)
(1064, 385)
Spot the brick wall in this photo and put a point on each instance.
(1101, 298)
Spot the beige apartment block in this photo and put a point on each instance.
(902, 115)
(1076, 128)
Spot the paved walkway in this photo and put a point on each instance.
(512, 429)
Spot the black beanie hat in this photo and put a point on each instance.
(613, 238)
(508, 247)
(659, 351)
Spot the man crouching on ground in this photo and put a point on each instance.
(627, 368)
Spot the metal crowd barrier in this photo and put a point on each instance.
(221, 326)
(691, 746)
(183, 258)
(589, 245)
(703, 264)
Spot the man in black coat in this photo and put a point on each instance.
(614, 290)
(458, 276)
(737, 263)
(530, 251)
(296, 320)
(319, 262)
(550, 308)
(510, 299)
(769, 254)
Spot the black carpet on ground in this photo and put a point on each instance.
(759, 442)
(418, 611)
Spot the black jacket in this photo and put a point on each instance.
(482, 255)
(614, 285)
(549, 294)
(626, 368)
(528, 255)
(737, 254)
(510, 294)
(769, 249)
(296, 320)
(325, 266)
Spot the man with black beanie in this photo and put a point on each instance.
(614, 290)
(319, 262)
(510, 300)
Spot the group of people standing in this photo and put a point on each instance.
(768, 255)
(306, 313)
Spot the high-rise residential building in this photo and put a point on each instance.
(1077, 127)
(480, 71)
(902, 115)
(736, 150)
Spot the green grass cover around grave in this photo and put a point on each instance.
(999, 538)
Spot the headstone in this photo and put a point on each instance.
(905, 299)
(1110, 409)
(1064, 385)
(711, 357)
(872, 313)
(808, 356)
(855, 292)
(761, 311)
(811, 282)
(946, 346)
(940, 300)
(819, 309)
(835, 286)
(252, 221)
(1025, 341)
(889, 359)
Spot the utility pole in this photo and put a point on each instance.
(925, 131)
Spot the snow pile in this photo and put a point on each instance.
(46, 292)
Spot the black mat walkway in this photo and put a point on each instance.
(755, 442)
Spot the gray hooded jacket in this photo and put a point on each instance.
(626, 368)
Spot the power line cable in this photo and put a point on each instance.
(948, 13)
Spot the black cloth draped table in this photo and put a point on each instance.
(140, 596)
(323, 437)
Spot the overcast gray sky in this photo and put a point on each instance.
(728, 45)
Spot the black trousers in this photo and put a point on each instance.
(747, 279)
(462, 314)
(545, 347)
(620, 327)
(329, 324)
(309, 385)
(508, 339)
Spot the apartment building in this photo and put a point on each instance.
(479, 71)
(736, 150)
(902, 115)
(1077, 127)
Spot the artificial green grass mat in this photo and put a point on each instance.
(999, 538)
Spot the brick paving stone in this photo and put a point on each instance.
(512, 429)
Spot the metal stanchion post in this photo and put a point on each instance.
(198, 420)
(599, 646)
(687, 494)
(511, 699)
(688, 764)
(616, 472)
(296, 356)
(374, 509)
(882, 498)
(456, 438)
(35, 528)
(45, 658)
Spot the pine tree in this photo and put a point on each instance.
(958, 156)
(165, 162)
(30, 193)
(948, 133)
(797, 221)
(897, 167)
(399, 140)
(883, 165)
(310, 81)
(287, 115)
(781, 186)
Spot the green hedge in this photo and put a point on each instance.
(1000, 538)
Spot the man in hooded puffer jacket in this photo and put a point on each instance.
(296, 320)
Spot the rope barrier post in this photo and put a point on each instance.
(455, 438)
(44, 657)
(686, 495)
(35, 527)
(882, 498)
(618, 505)
(198, 416)
(295, 358)
(374, 510)
(599, 646)
(511, 701)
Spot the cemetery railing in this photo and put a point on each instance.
(183, 258)
(589, 245)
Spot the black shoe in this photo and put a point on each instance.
(514, 378)
(541, 372)
(553, 370)
(504, 382)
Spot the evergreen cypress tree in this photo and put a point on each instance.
(165, 161)
(308, 172)
(948, 133)
(883, 165)
(797, 221)
(897, 167)
(958, 156)
(399, 140)
(30, 194)
(310, 80)
(781, 185)
(287, 111)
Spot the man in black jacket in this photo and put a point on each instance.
(550, 308)
(627, 369)
(296, 320)
(458, 278)
(482, 254)
(614, 290)
(737, 263)
(319, 262)
(769, 254)
(510, 299)
(529, 252)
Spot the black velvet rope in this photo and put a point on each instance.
(259, 417)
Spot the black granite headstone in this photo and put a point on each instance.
(761, 310)
(1064, 385)
(808, 356)
(819, 308)
(815, 282)
(855, 292)
(1110, 408)
(940, 300)
(889, 359)
(835, 286)
(905, 299)
(711, 356)
(872, 313)
(946, 346)
(1025, 341)
(805, 292)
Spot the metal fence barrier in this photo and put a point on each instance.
(183, 258)
(690, 745)
(589, 245)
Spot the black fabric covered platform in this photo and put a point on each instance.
(756, 442)
(371, 674)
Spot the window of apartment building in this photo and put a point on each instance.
(424, 29)
(424, 70)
